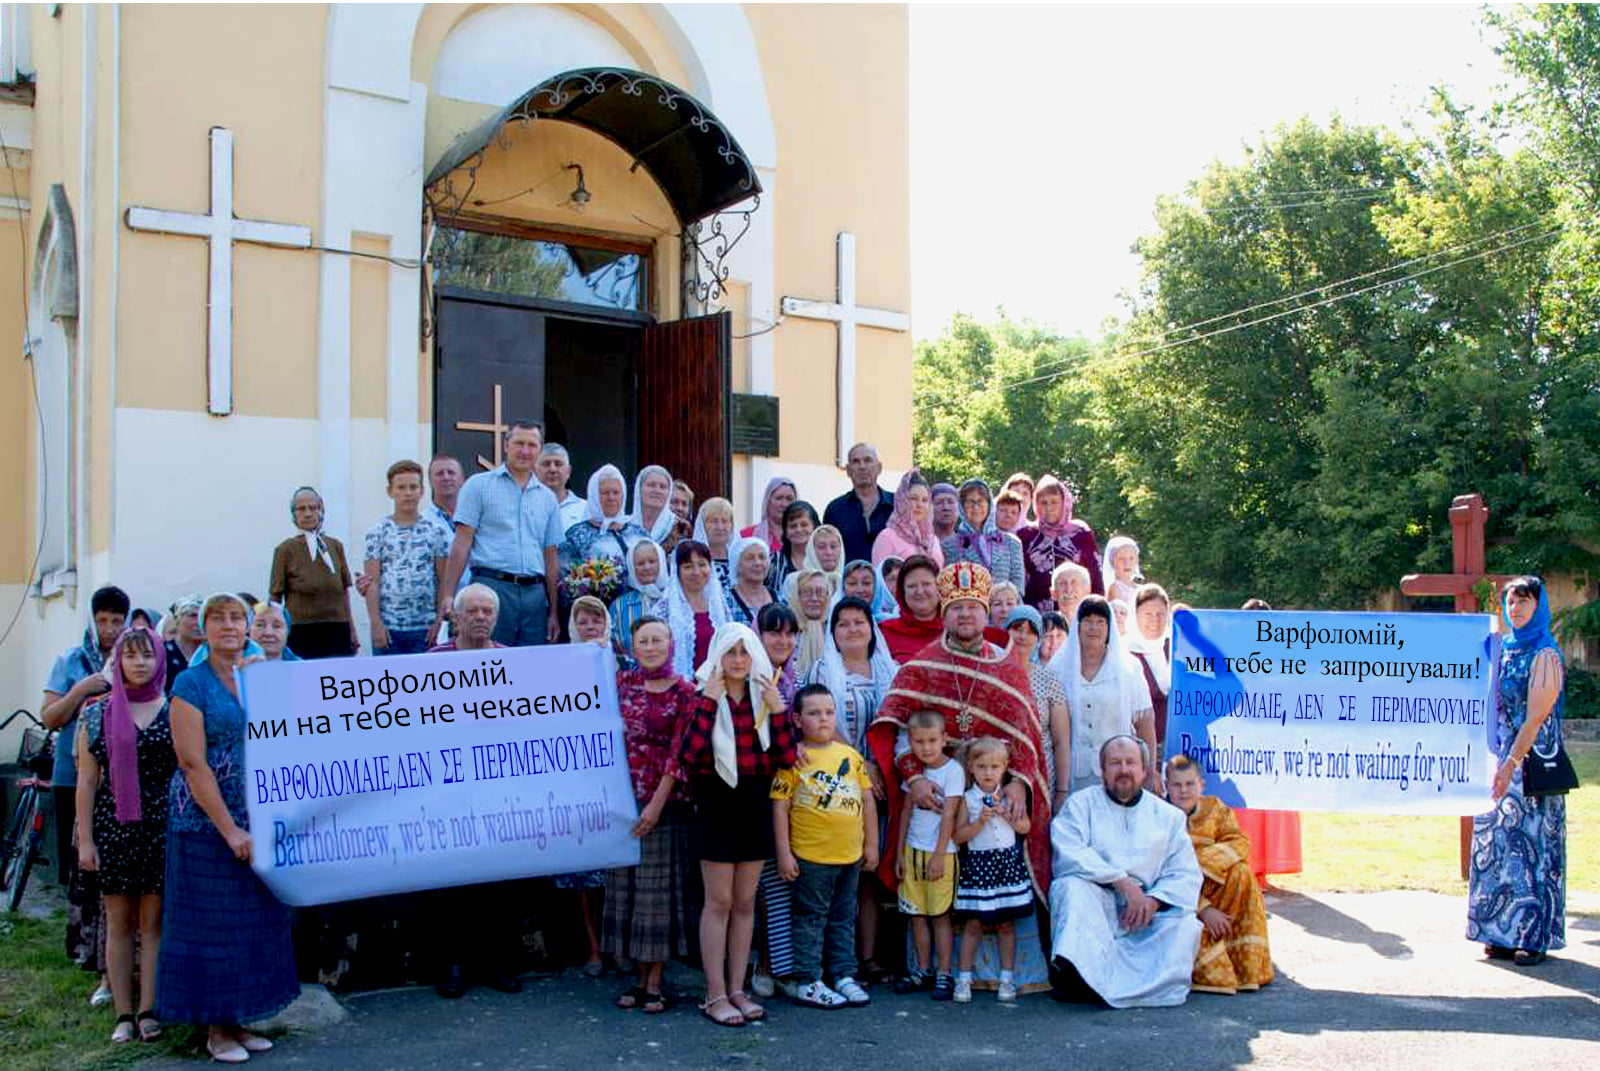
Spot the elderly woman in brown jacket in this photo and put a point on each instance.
(311, 578)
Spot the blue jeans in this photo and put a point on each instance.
(405, 641)
(825, 921)
(524, 613)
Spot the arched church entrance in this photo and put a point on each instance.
(598, 332)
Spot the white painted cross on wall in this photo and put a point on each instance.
(221, 229)
(848, 315)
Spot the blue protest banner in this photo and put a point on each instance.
(373, 776)
(1337, 711)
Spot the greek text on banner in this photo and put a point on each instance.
(366, 777)
(1337, 711)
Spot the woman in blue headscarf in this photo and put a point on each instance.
(978, 539)
(865, 583)
(1026, 627)
(1516, 900)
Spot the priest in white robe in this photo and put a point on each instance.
(1124, 889)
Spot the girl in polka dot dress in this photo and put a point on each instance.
(993, 886)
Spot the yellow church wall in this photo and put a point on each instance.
(182, 75)
(837, 86)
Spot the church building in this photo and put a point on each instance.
(249, 247)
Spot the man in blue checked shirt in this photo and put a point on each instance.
(508, 526)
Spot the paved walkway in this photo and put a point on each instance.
(1381, 980)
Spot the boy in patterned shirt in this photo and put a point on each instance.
(405, 556)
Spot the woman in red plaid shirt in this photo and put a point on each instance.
(738, 735)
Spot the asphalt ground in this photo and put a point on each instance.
(1378, 980)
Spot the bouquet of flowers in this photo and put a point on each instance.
(600, 577)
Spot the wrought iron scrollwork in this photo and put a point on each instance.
(707, 244)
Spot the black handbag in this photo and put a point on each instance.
(1548, 775)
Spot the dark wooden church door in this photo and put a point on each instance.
(685, 378)
(621, 391)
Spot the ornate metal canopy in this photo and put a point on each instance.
(693, 158)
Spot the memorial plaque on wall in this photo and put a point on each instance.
(755, 425)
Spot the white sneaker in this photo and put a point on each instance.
(963, 993)
(762, 986)
(817, 995)
(851, 990)
(1008, 993)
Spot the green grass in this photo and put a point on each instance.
(1367, 853)
(46, 1023)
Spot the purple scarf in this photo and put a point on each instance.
(122, 735)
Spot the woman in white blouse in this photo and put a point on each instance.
(1106, 693)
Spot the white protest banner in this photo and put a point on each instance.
(372, 776)
(1390, 713)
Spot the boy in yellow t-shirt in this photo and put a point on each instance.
(826, 826)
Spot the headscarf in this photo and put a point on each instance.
(761, 529)
(935, 490)
(122, 735)
(830, 671)
(315, 545)
(724, 750)
(985, 543)
(92, 656)
(251, 648)
(680, 617)
(1032, 617)
(656, 590)
(813, 631)
(1108, 571)
(736, 550)
(594, 605)
(256, 611)
(882, 602)
(921, 535)
(1530, 637)
(812, 564)
(666, 518)
(892, 607)
(700, 524)
(1067, 665)
(1157, 652)
(592, 503)
(1059, 531)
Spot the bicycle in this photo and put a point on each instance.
(25, 831)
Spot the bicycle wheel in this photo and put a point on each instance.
(16, 834)
(21, 861)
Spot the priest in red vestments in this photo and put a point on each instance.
(982, 691)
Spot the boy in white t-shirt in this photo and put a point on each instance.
(926, 863)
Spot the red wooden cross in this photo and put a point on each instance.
(1468, 517)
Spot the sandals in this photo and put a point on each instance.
(149, 1025)
(873, 973)
(253, 1042)
(123, 1032)
(1524, 958)
(632, 998)
(732, 1017)
(752, 1012)
(654, 1003)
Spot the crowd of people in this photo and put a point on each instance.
(937, 710)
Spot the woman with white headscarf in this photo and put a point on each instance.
(646, 595)
(607, 529)
(1150, 642)
(1106, 693)
(652, 488)
(779, 493)
(713, 526)
(814, 596)
(750, 560)
(824, 554)
(311, 577)
(695, 605)
(1119, 570)
(737, 737)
